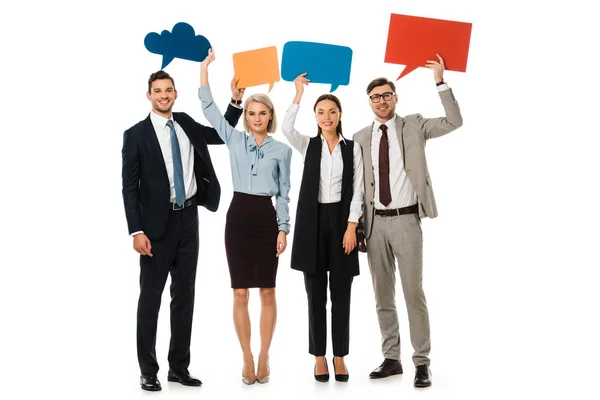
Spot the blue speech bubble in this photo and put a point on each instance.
(323, 63)
(182, 42)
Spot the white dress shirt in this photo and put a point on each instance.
(163, 133)
(402, 190)
(332, 165)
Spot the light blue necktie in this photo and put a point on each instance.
(177, 166)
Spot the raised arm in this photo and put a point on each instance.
(222, 125)
(210, 134)
(234, 111)
(296, 139)
(436, 127)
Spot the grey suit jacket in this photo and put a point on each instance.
(413, 131)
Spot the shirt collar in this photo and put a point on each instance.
(391, 124)
(160, 122)
(251, 140)
(342, 139)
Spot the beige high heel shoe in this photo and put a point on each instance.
(247, 380)
(264, 379)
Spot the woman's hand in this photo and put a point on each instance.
(204, 67)
(209, 58)
(299, 82)
(281, 242)
(349, 241)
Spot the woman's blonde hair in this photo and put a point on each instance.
(263, 99)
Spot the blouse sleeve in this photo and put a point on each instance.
(215, 118)
(282, 199)
(296, 139)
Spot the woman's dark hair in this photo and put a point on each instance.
(331, 97)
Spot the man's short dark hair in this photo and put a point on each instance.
(380, 82)
(159, 75)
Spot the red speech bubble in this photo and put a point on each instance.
(414, 40)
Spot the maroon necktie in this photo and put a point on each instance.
(385, 196)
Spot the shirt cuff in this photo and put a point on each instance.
(285, 228)
(442, 87)
(135, 233)
(353, 217)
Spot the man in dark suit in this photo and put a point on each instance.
(167, 172)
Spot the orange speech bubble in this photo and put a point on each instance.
(414, 40)
(256, 67)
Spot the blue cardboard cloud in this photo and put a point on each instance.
(182, 42)
(324, 63)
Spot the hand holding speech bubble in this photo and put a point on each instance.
(414, 40)
(256, 67)
(324, 63)
(182, 43)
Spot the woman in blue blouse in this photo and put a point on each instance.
(255, 232)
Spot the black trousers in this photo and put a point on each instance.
(329, 251)
(176, 252)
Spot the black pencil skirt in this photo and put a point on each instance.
(251, 241)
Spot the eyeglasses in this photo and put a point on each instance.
(386, 96)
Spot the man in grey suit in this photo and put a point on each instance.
(398, 194)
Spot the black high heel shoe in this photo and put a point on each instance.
(340, 377)
(322, 377)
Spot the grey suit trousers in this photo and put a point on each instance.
(399, 238)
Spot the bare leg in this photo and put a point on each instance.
(241, 320)
(340, 365)
(268, 317)
(321, 366)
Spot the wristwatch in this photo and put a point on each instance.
(437, 83)
(237, 102)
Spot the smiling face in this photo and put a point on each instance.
(257, 117)
(162, 96)
(328, 116)
(384, 109)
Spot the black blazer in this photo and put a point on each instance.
(146, 189)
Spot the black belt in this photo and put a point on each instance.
(188, 203)
(398, 211)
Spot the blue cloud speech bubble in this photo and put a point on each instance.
(324, 63)
(182, 42)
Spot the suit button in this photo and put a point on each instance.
(372, 184)
(371, 203)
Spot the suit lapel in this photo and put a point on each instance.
(367, 159)
(154, 145)
(399, 133)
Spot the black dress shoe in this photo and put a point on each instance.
(150, 382)
(183, 376)
(340, 377)
(387, 368)
(322, 377)
(422, 376)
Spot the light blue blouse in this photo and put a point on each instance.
(260, 170)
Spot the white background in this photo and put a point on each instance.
(510, 264)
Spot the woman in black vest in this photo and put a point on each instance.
(329, 207)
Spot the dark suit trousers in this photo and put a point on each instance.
(176, 252)
(329, 251)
